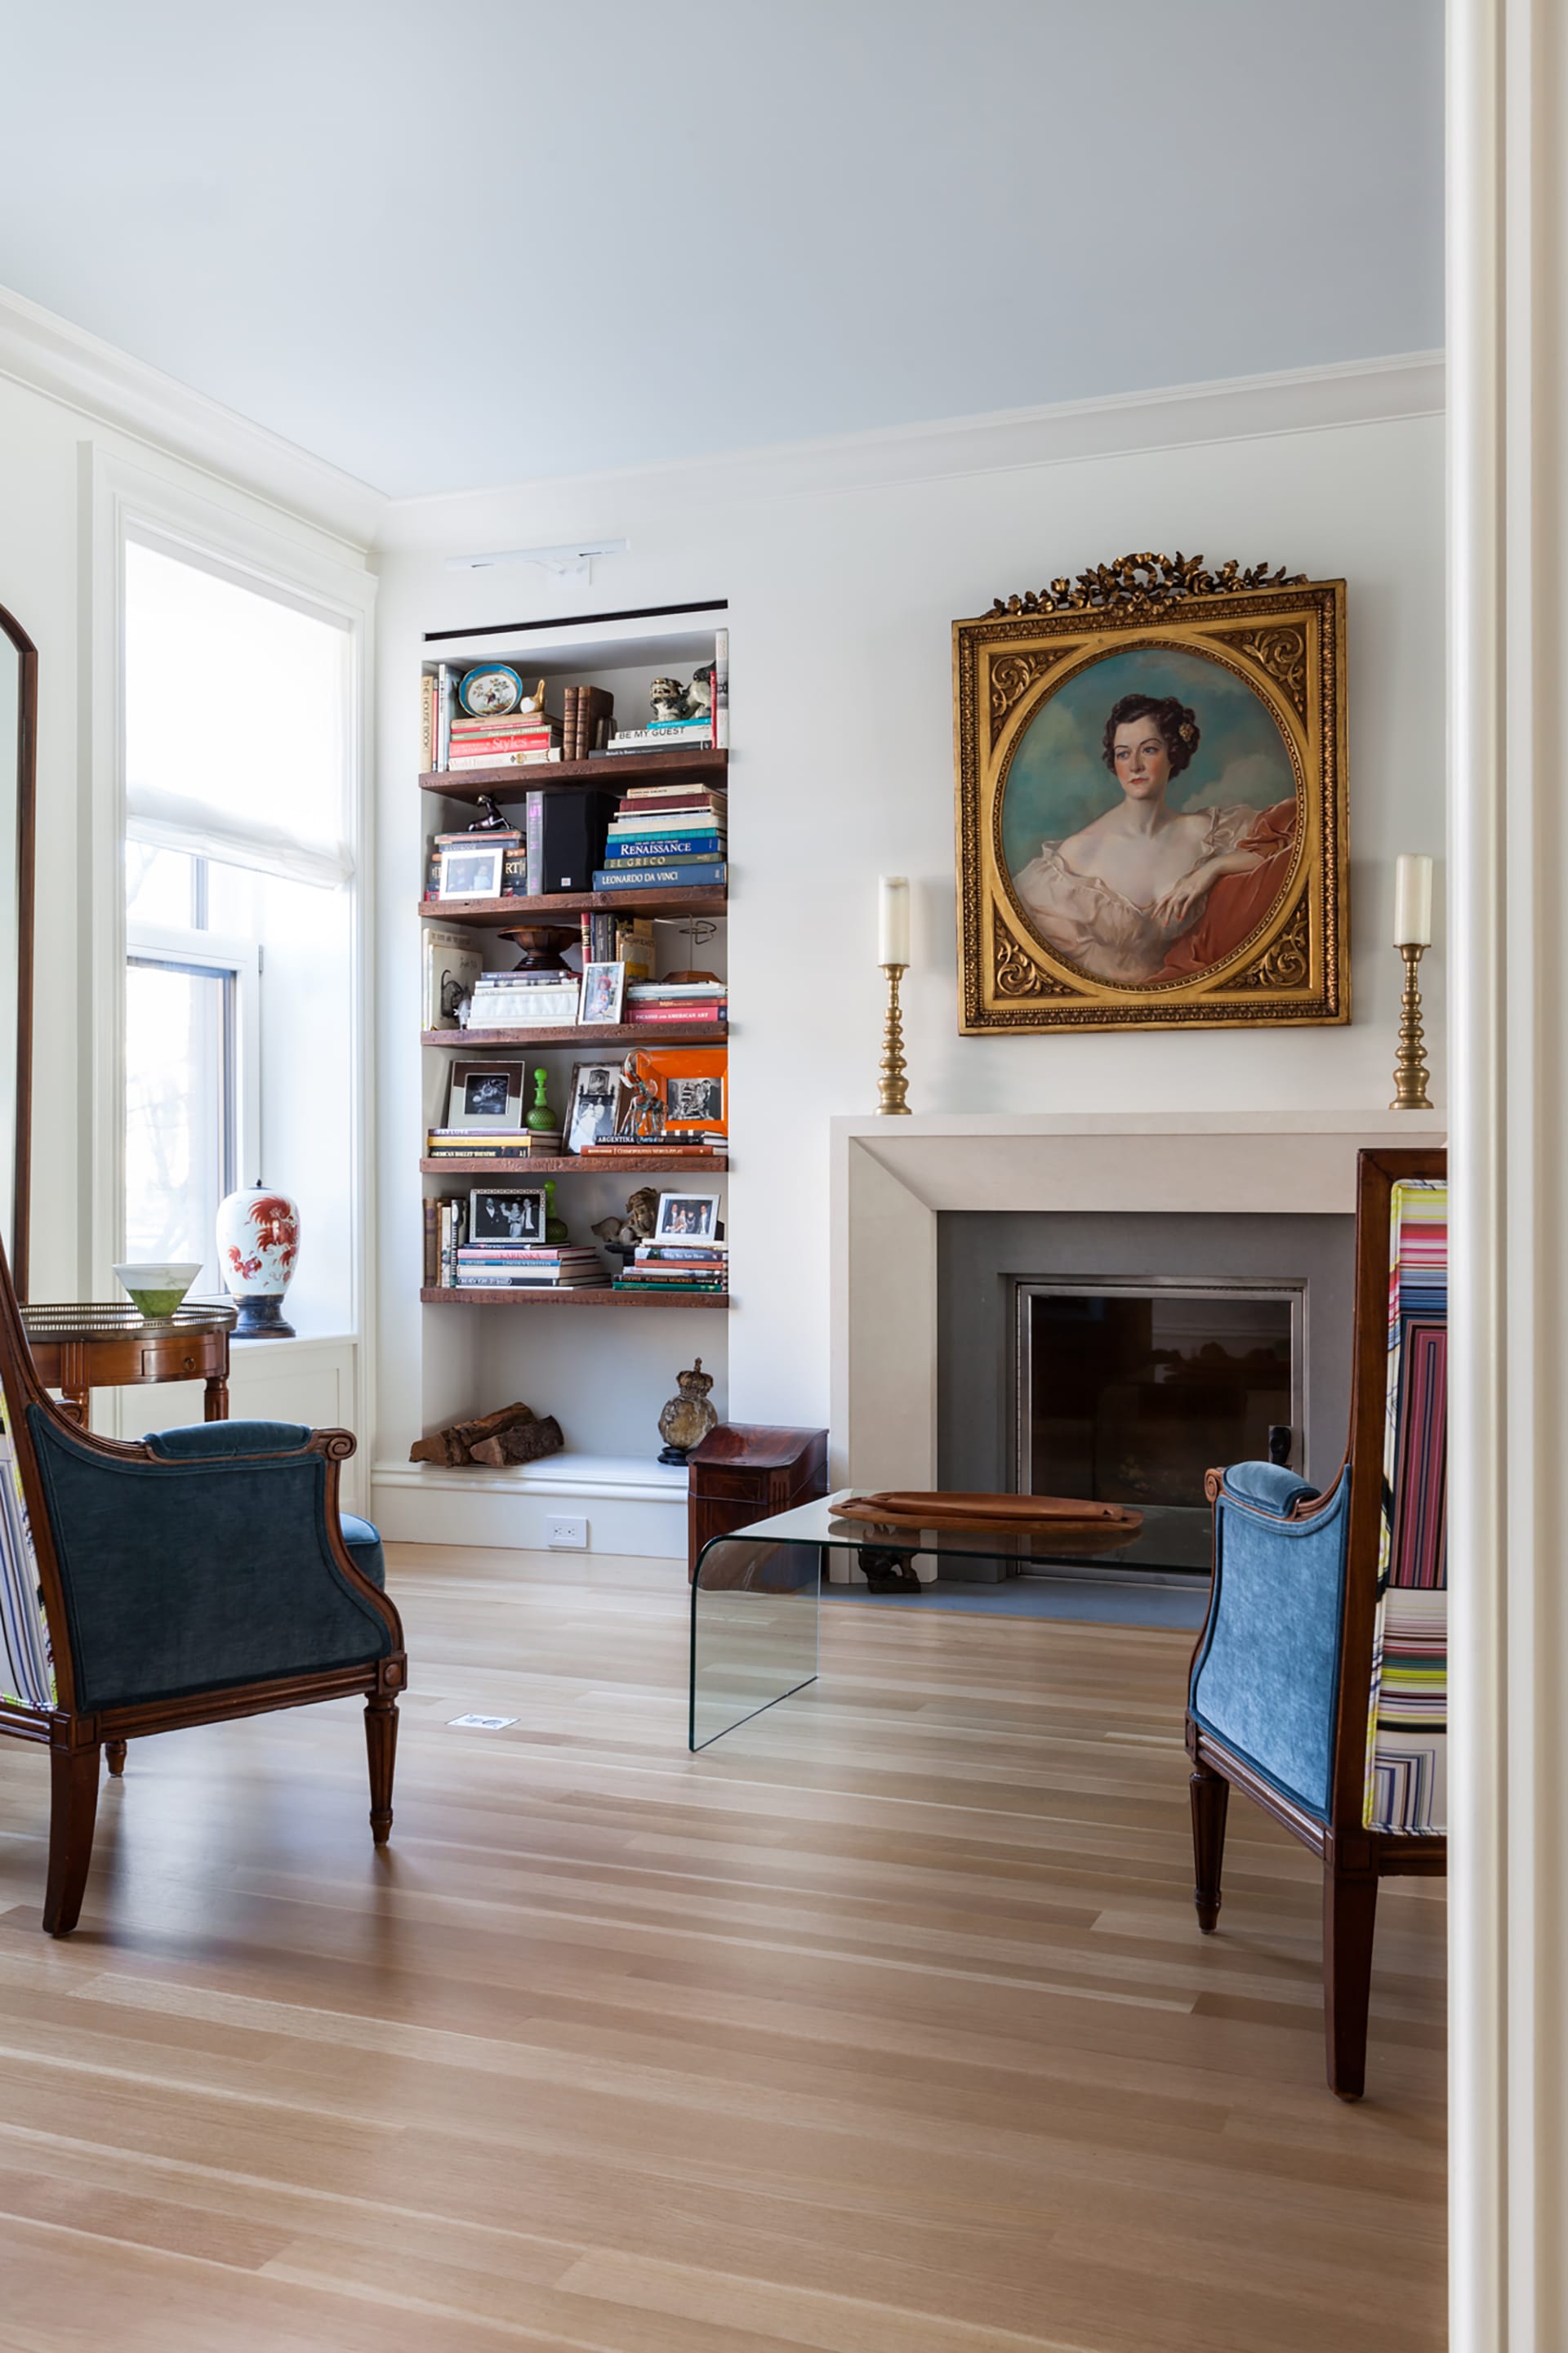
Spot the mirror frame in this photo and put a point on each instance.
(27, 786)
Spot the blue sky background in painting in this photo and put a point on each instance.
(1059, 781)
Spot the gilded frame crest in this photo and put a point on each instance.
(1232, 768)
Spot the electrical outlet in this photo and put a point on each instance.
(570, 1534)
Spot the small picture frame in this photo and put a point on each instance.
(509, 1214)
(472, 871)
(603, 994)
(595, 1100)
(485, 1098)
(687, 1218)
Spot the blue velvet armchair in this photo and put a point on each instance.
(1317, 1683)
(201, 1574)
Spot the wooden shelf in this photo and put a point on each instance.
(700, 899)
(593, 1033)
(449, 1296)
(705, 766)
(576, 1163)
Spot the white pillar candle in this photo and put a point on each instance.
(1413, 902)
(893, 920)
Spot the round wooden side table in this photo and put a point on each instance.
(93, 1345)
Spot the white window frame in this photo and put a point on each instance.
(222, 529)
(158, 944)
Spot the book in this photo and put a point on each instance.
(444, 691)
(452, 966)
(614, 1149)
(649, 1016)
(572, 700)
(670, 876)
(480, 839)
(426, 721)
(534, 835)
(663, 988)
(641, 848)
(461, 763)
(648, 816)
(642, 795)
(432, 1266)
(506, 739)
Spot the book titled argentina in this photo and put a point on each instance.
(675, 873)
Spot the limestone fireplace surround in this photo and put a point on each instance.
(891, 1178)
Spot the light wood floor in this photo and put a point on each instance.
(885, 2027)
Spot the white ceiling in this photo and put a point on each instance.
(449, 248)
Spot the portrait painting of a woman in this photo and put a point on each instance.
(1164, 867)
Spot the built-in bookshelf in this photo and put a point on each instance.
(689, 924)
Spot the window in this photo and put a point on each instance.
(238, 920)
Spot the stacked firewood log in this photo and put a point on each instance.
(514, 1433)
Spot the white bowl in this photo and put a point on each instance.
(156, 1286)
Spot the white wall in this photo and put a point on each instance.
(842, 578)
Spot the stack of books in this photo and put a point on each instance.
(694, 734)
(464, 1144)
(651, 1002)
(524, 1000)
(678, 1266)
(521, 743)
(662, 835)
(529, 1266)
(588, 722)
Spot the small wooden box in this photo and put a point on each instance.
(744, 1471)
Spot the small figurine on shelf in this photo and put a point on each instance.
(555, 1226)
(687, 1420)
(620, 1236)
(642, 1117)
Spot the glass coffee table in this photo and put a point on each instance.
(756, 1595)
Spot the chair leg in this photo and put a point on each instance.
(381, 1742)
(1211, 1797)
(1349, 1917)
(73, 1808)
(114, 1754)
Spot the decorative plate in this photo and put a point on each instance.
(491, 692)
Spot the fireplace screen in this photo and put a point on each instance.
(1128, 1392)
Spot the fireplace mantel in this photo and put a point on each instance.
(890, 1178)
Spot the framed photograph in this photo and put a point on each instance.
(471, 872)
(591, 1118)
(687, 1218)
(485, 1097)
(603, 993)
(452, 964)
(1152, 815)
(506, 1213)
(692, 1083)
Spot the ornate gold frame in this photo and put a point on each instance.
(1285, 637)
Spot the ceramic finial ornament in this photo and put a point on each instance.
(257, 1249)
(687, 1419)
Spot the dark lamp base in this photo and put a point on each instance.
(676, 1454)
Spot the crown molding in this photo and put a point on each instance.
(1231, 409)
(47, 354)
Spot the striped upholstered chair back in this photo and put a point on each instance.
(1406, 1775)
(1317, 1683)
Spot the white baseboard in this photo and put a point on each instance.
(632, 1505)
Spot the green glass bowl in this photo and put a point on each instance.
(157, 1289)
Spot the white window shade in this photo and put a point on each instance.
(235, 744)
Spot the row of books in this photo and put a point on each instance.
(588, 721)
(529, 1266)
(504, 1146)
(666, 834)
(675, 1267)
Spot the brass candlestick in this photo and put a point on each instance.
(1410, 1063)
(893, 1087)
